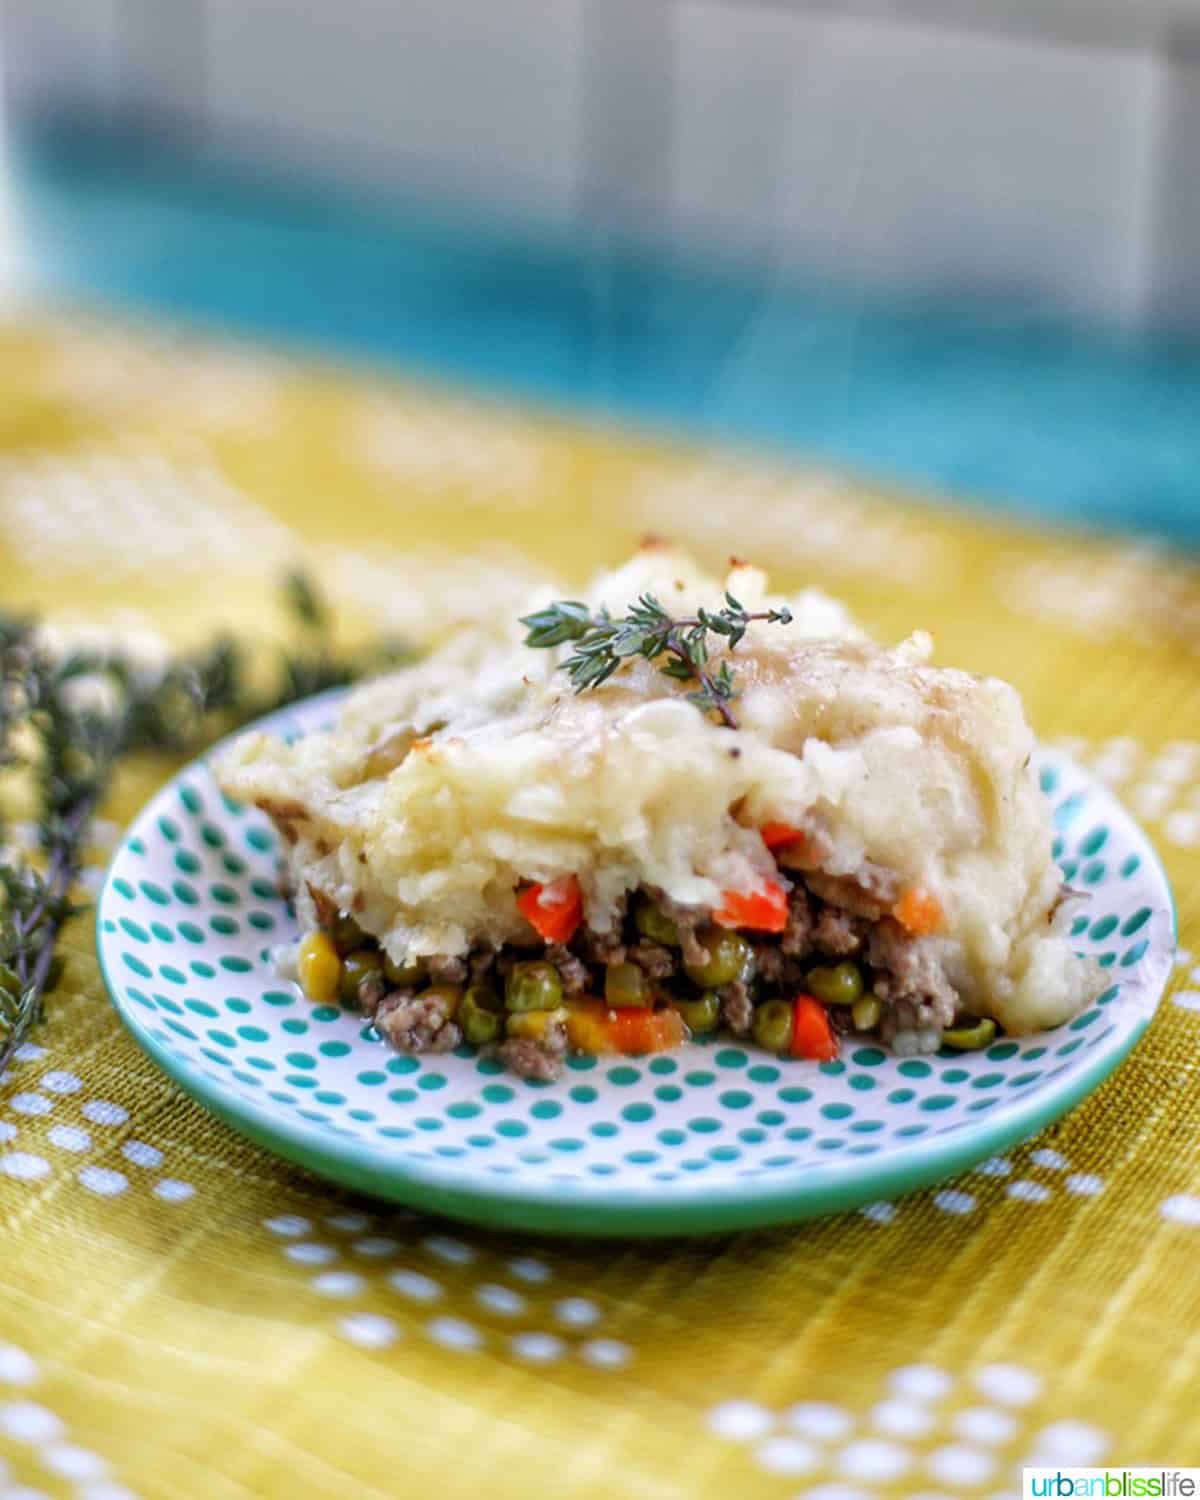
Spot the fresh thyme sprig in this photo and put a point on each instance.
(67, 720)
(679, 644)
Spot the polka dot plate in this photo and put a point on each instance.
(714, 1136)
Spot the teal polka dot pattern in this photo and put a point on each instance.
(715, 1134)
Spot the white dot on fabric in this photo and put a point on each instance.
(1186, 999)
(69, 1138)
(1054, 1160)
(576, 1312)
(984, 1424)
(740, 1420)
(447, 1249)
(413, 1284)
(1182, 1208)
(141, 1154)
(348, 1223)
(29, 1423)
(902, 1419)
(873, 1461)
(538, 1348)
(1011, 1385)
(16, 1367)
(995, 1166)
(171, 1191)
(1077, 1443)
(73, 1463)
(1083, 1184)
(500, 1299)
(288, 1225)
(59, 1082)
(786, 1455)
(920, 1382)
(307, 1254)
(29, 1052)
(369, 1330)
(958, 1464)
(454, 1333)
(338, 1284)
(879, 1213)
(525, 1268)
(819, 1419)
(835, 1492)
(104, 1112)
(8, 1131)
(951, 1202)
(105, 1491)
(24, 1165)
(31, 1104)
(605, 1354)
(1028, 1192)
(376, 1247)
(103, 1180)
(1182, 827)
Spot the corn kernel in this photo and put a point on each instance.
(319, 967)
(533, 1025)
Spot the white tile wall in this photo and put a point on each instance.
(922, 155)
(1173, 267)
(468, 95)
(1045, 147)
(58, 53)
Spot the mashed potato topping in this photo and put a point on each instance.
(448, 787)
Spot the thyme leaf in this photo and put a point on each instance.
(66, 721)
(679, 645)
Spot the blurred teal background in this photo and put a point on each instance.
(1062, 382)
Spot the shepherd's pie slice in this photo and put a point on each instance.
(798, 835)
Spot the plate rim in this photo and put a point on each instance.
(601, 1208)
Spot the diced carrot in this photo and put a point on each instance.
(918, 911)
(554, 910)
(812, 1035)
(763, 910)
(593, 1026)
(780, 835)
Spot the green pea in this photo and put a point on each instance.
(357, 966)
(700, 1015)
(347, 935)
(625, 985)
(971, 1035)
(866, 1013)
(652, 922)
(841, 985)
(449, 994)
(483, 995)
(533, 986)
(773, 1026)
(479, 1021)
(404, 975)
(727, 957)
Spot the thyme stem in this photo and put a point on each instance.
(79, 715)
(601, 644)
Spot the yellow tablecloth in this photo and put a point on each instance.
(183, 1316)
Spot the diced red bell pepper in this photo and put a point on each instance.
(780, 835)
(763, 910)
(554, 910)
(812, 1035)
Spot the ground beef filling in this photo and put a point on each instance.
(838, 944)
